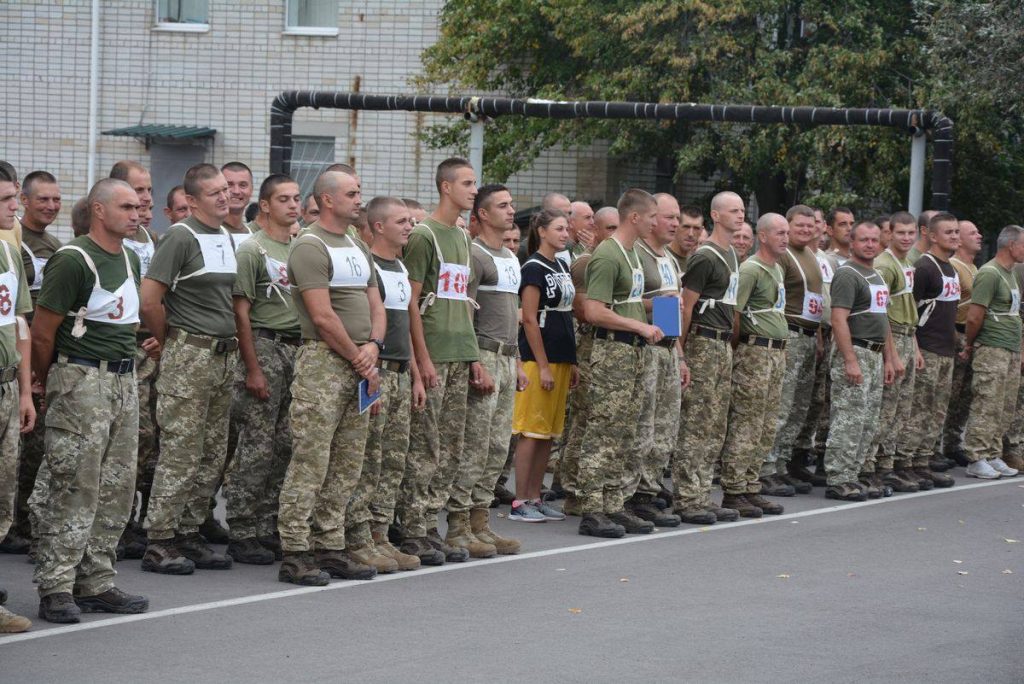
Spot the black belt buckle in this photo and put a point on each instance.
(714, 333)
(225, 346)
(121, 367)
(802, 330)
(667, 342)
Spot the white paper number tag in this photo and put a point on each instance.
(452, 281)
(879, 298)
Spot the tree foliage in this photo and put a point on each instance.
(857, 53)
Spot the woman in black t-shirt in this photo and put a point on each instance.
(547, 347)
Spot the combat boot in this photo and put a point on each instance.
(571, 505)
(452, 554)
(697, 516)
(846, 492)
(164, 558)
(479, 525)
(643, 507)
(1013, 461)
(11, 623)
(870, 489)
(598, 525)
(800, 486)
(250, 551)
(796, 466)
(405, 561)
(503, 496)
(194, 547)
(773, 485)
(113, 600)
(272, 543)
(898, 483)
(298, 567)
(367, 554)
(14, 543)
(213, 532)
(59, 608)
(461, 535)
(740, 504)
(940, 480)
(423, 550)
(958, 456)
(340, 564)
(631, 523)
(766, 506)
(820, 475)
(723, 513)
(939, 464)
(923, 483)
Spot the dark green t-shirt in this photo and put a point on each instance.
(494, 284)
(11, 304)
(259, 258)
(713, 273)
(761, 300)
(995, 288)
(860, 290)
(803, 279)
(196, 302)
(615, 277)
(447, 322)
(395, 292)
(67, 287)
(36, 248)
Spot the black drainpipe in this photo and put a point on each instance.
(911, 120)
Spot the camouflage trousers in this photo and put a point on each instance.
(921, 433)
(328, 442)
(10, 436)
(993, 401)
(435, 450)
(959, 402)
(252, 482)
(814, 432)
(855, 410)
(193, 404)
(658, 428)
(576, 417)
(31, 457)
(146, 372)
(485, 438)
(84, 492)
(754, 406)
(703, 420)
(383, 468)
(896, 412)
(1013, 440)
(794, 399)
(607, 452)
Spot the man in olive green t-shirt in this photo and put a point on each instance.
(760, 336)
(186, 304)
(993, 337)
(83, 352)
(614, 306)
(444, 343)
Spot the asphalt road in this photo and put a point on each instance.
(922, 587)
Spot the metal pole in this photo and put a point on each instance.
(915, 202)
(94, 78)
(476, 148)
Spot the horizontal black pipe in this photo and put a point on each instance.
(912, 120)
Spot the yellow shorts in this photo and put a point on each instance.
(538, 413)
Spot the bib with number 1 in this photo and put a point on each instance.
(452, 278)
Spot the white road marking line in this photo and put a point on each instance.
(452, 567)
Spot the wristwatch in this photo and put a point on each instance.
(379, 343)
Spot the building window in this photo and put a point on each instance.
(183, 15)
(311, 17)
(310, 156)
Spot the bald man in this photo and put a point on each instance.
(581, 227)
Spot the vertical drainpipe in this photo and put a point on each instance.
(94, 76)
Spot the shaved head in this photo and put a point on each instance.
(723, 199)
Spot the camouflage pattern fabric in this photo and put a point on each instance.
(959, 402)
(993, 402)
(388, 443)
(193, 404)
(896, 412)
(814, 432)
(252, 483)
(146, 372)
(10, 436)
(794, 400)
(576, 417)
(754, 406)
(437, 435)
(919, 436)
(87, 478)
(1013, 440)
(658, 428)
(855, 410)
(32, 447)
(328, 441)
(608, 452)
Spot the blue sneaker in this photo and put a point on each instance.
(526, 511)
(547, 511)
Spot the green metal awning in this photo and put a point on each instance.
(163, 132)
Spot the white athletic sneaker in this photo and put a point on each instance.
(999, 465)
(982, 469)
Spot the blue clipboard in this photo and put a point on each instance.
(666, 315)
(366, 400)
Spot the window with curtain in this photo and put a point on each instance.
(312, 13)
(183, 11)
(310, 156)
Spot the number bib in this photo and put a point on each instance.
(563, 281)
(565, 256)
(396, 289)
(950, 289)
(730, 292)
(218, 253)
(238, 238)
(349, 267)
(879, 298)
(508, 275)
(1014, 302)
(120, 306)
(452, 281)
(814, 306)
(667, 271)
(143, 250)
(8, 291)
(780, 302)
(826, 270)
(908, 276)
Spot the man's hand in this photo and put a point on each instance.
(366, 360)
(899, 368)
(965, 355)
(375, 408)
(918, 361)
(522, 381)
(853, 374)
(890, 372)
(479, 379)
(652, 333)
(419, 395)
(256, 384)
(684, 374)
(586, 238)
(547, 380)
(574, 379)
(26, 413)
(152, 347)
(428, 373)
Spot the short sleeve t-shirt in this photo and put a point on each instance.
(397, 344)
(12, 236)
(447, 323)
(902, 309)
(67, 287)
(498, 315)
(680, 262)
(828, 262)
(578, 270)
(995, 288)
(263, 279)
(199, 304)
(12, 304)
(552, 279)
(41, 246)
(310, 267)
(761, 300)
(802, 274)
(938, 334)
(708, 273)
(851, 289)
(611, 281)
(966, 273)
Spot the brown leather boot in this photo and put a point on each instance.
(460, 535)
(367, 554)
(405, 561)
(739, 503)
(479, 525)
